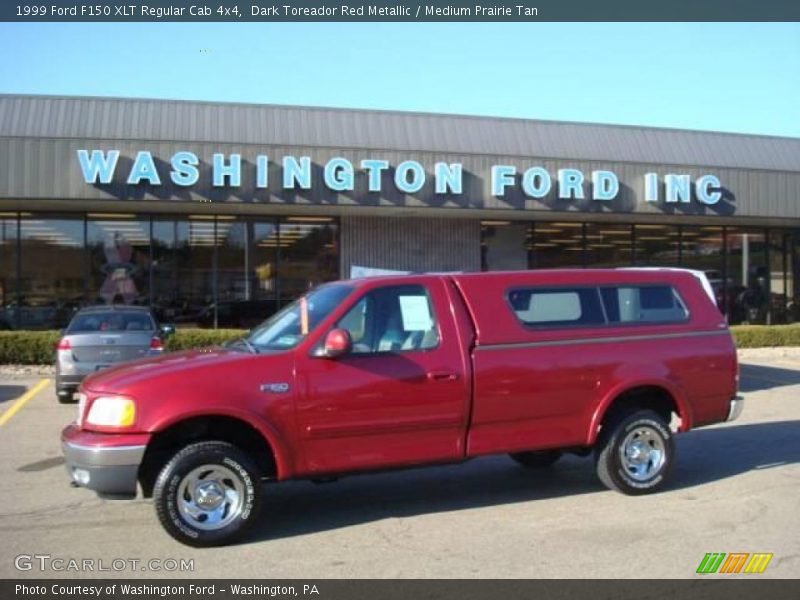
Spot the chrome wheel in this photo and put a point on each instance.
(642, 453)
(210, 497)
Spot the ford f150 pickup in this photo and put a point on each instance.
(402, 371)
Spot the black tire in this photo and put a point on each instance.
(235, 471)
(642, 471)
(538, 459)
(65, 395)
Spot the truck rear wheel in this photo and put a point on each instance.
(208, 494)
(538, 459)
(635, 455)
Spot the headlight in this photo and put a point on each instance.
(112, 411)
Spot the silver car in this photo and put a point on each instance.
(100, 336)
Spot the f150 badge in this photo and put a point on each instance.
(275, 388)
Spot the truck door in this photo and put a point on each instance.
(400, 397)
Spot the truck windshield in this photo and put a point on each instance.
(289, 326)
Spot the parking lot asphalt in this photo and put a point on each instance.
(735, 488)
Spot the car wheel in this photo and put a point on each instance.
(65, 395)
(208, 494)
(635, 455)
(538, 459)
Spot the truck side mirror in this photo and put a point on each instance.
(337, 343)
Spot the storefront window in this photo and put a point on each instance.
(793, 303)
(656, 245)
(504, 246)
(119, 258)
(53, 271)
(702, 249)
(780, 276)
(183, 270)
(8, 270)
(226, 271)
(608, 245)
(747, 272)
(557, 245)
(247, 254)
(308, 255)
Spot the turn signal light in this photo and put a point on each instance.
(156, 344)
(63, 344)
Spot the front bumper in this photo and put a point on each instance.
(736, 408)
(105, 463)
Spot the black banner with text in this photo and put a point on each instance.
(704, 588)
(399, 10)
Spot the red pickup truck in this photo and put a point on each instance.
(399, 371)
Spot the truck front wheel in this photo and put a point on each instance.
(635, 454)
(208, 494)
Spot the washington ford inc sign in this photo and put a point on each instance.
(100, 167)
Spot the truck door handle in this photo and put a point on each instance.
(442, 376)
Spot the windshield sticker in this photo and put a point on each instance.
(303, 316)
(415, 313)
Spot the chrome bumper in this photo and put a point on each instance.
(104, 456)
(737, 405)
(109, 471)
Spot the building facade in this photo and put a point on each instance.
(218, 214)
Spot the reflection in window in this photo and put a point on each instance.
(608, 245)
(119, 255)
(643, 304)
(247, 252)
(290, 326)
(8, 270)
(183, 270)
(558, 307)
(308, 250)
(503, 245)
(657, 245)
(747, 272)
(793, 261)
(702, 250)
(557, 245)
(52, 271)
(781, 276)
(111, 321)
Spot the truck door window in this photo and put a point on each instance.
(392, 319)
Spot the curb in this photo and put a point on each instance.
(790, 352)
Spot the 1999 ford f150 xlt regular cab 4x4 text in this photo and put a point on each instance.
(401, 371)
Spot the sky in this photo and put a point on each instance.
(738, 77)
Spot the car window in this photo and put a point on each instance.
(115, 322)
(392, 319)
(557, 306)
(291, 325)
(643, 304)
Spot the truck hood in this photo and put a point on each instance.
(186, 365)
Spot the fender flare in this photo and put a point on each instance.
(284, 465)
(674, 390)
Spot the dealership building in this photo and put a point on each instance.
(218, 214)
